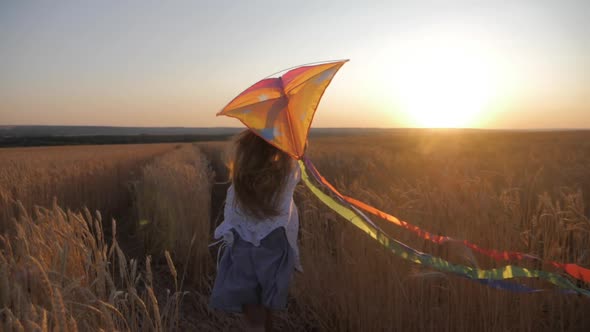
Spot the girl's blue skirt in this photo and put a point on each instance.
(247, 274)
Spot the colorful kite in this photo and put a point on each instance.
(281, 109)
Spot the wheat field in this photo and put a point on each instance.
(503, 191)
(520, 191)
(96, 177)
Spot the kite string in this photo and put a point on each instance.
(303, 65)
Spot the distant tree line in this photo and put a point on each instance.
(101, 139)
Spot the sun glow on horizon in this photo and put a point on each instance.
(445, 81)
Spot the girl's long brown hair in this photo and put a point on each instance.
(259, 174)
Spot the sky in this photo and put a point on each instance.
(480, 64)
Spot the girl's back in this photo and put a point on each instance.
(260, 228)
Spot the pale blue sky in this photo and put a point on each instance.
(176, 63)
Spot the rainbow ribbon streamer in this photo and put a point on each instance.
(573, 270)
(492, 277)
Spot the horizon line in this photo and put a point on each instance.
(2, 126)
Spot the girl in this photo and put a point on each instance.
(260, 229)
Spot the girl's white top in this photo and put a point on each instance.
(252, 229)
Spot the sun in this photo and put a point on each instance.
(444, 84)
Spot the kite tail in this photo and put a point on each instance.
(492, 277)
(573, 270)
